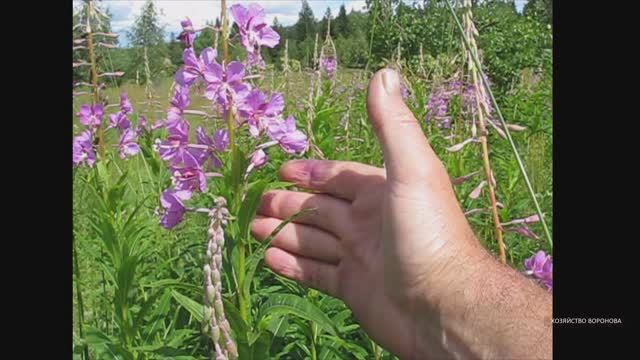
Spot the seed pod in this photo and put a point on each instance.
(476, 192)
(514, 127)
(458, 147)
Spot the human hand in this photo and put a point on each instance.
(393, 243)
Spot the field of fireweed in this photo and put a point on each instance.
(168, 174)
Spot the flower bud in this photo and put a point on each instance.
(217, 305)
(215, 333)
(208, 314)
(215, 276)
(211, 293)
(231, 348)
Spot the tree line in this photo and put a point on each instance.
(377, 34)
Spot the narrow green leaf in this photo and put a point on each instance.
(260, 346)
(94, 336)
(301, 307)
(249, 207)
(194, 308)
(254, 259)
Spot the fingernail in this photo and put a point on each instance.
(391, 81)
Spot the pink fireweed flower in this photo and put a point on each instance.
(217, 143)
(225, 81)
(255, 110)
(91, 115)
(294, 142)
(540, 266)
(188, 33)
(438, 108)
(189, 176)
(119, 120)
(258, 159)
(142, 126)
(127, 144)
(287, 136)
(195, 67)
(179, 103)
(125, 103)
(174, 146)
(173, 204)
(83, 149)
(254, 31)
(329, 65)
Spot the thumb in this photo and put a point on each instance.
(408, 156)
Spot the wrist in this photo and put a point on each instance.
(477, 308)
(449, 301)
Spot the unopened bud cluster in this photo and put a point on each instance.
(216, 323)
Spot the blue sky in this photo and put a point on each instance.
(199, 11)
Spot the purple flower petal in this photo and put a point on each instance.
(125, 104)
(294, 142)
(275, 105)
(128, 145)
(172, 202)
(189, 58)
(83, 150)
(540, 266)
(208, 56)
(268, 37)
(259, 158)
(235, 72)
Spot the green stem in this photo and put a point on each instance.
(76, 271)
(94, 75)
(242, 301)
(523, 171)
(314, 331)
(373, 30)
